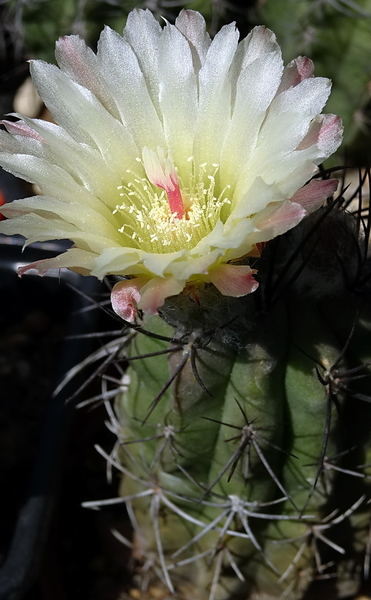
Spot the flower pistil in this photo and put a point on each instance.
(161, 172)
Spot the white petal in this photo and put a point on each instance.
(38, 229)
(184, 270)
(295, 169)
(214, 111)
(288, 120)
(259, 42)
(192, 25)
(126, 83)
(78, 111)
(178, 93)
(306, 98)
(121, 261)
(256, 87)
(209, 241)
(160, 263)
(143, 33)
(79, 215)
(80, 160)
(275, 154)
(74, 258)
(257, 197)
(80, 63)
(18, 144)
(302, 170)
(52, 180)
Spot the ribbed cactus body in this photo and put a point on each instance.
(233, 437)
(288, 543)
(223, 466)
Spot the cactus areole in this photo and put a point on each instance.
(173, 164)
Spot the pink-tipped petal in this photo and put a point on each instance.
(155, 292)
(233, 280)
(297, 70)
(193, 27)
(77, 60)
(125, 297)
(80, 261)
(313, 195)
(326, 132)
(331, 134)
(304, 67)
(21, 128)
(278, 218)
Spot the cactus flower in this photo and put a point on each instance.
(173, 157)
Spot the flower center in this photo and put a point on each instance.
(160, 214)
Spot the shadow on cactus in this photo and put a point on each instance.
(241, 284)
